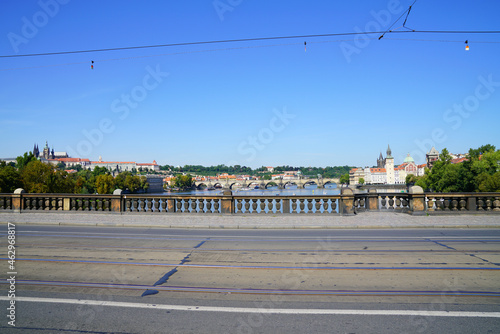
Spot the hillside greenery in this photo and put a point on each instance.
(35, 176)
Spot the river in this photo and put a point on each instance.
(271, 191)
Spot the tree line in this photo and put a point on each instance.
(479, 173)
(35, 176)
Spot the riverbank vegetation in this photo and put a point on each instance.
(480, 172)
(35, 176)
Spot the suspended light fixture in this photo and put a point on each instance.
(467, 45)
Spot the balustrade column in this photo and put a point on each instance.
(17, 200)
(417, 200)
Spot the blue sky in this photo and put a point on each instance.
(339, 102)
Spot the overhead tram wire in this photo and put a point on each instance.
(244, 47)
(188, 44)
(246, 40)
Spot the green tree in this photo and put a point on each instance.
(35, 177)
(344, 179)
(183, 181)
(489, 183)
(105, 184)
(144, 185)
(9, 178)
(24, 160)
(132, 183)
(361, 180)
(100, 171)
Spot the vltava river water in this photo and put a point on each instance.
(271, 191)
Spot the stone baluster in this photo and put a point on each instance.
(391, 202)
(156, 206)
(325, 205)
(463, 204)
(294, 205)
(480, 204)
(383, 202)
(398, 203)
(209, 206)
(92, 204)
(454, 204)
(496, 204)
(446, 203)
(239, 205)
(309, 205)
(262, 205)
(317, 205)
(254, 205)
(302, 205)
(278, 205)
(489, 204)
(216, 205)
(333, 205)
(27, 203)
(247, 205)
(270, 206)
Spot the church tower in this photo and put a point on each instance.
(389, 166)
(380, 161)
(46, 151)
(36, 152)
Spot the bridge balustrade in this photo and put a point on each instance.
(343, 204)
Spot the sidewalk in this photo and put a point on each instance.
(363, 220)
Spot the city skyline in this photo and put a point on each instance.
(317, 101)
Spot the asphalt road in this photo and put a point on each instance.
(75, 279)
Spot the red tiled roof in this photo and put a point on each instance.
(458, 160)
(70, 160)
(112, 162)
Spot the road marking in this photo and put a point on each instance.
(221, 266)
(259, 310)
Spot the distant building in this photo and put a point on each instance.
(124, 166)
(386, 172)
(431, 157)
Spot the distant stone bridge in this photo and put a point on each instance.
(264, 184)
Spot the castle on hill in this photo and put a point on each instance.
(50, 156)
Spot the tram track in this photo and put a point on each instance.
(253, 291)
(259, 265)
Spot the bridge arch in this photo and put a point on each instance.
(290, 183)
(201, 186)
(271, 184)
(311, 182)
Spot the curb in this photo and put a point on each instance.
(263, 227)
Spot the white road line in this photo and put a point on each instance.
(260, 310)
(266, 237)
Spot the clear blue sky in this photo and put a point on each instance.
(269, 103)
